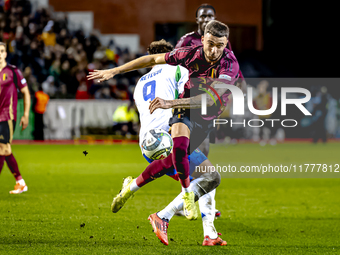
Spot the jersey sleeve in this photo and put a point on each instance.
(176, 57)
(239, 72)
(229, 71)
(182, 42)
(20, 80)
(182, 76)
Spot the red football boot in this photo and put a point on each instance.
(160, 228)
(212, 242)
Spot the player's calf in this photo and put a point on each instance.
(180, 159)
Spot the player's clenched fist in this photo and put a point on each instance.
(102, 75)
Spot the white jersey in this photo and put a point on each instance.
(163, 81)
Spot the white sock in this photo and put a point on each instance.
(207, 208)
(21, 182)
(209, 229)
(169, 211)
(177, 204)
(207, 205)
(134, 187)
(186, 189)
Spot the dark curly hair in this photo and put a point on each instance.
(161, 46)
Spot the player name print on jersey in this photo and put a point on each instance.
(147, 76)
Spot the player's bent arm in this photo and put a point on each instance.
(142, 62)
(189, 103)
(27, 105)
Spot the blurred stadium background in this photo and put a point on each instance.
(66, 209)
(57, 42)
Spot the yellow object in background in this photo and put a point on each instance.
(123, 115)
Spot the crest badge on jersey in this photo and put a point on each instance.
(195, 67)
(4, 76)
(172, 52)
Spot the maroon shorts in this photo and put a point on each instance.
(6, 131)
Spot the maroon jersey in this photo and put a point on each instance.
(194, 39)
(190, 39)
(11, 80)
(192, 58)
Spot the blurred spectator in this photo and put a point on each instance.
(31, 80)
(48, 36)
(103, 93)
(62, 93)
(49, 87)
(124, 117)
(41, 44)
(82, 88)
(263, 101)
(39, 105)
(319, 115)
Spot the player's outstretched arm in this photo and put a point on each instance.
(142, 62)
(27, 105)
(188, 103)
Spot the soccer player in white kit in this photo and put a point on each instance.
(167, 82)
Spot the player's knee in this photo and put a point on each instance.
(216, 178)
(208, 182)
(213, 178)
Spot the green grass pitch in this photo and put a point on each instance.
(67, 207)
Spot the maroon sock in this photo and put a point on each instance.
(180, 159)
(2, 161)
(13, 166)
(185, 182)
(155, 170)
(175, 177)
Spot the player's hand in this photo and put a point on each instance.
(102, 75)
(159, 103)
(24, 122)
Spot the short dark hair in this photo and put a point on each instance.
(217, 28)
(3, 44)
(205, 6)
(161, 46)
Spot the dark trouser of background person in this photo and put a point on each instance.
(319, 131)
(38, 133)
(40, 103)
(124, 128)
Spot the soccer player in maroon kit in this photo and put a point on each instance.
(11, 79)
(204, 14)
(212, 59)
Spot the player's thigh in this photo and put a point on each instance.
(180, 129)
(205, 167)
(6, 136)
(200, 164)
(5, 149)
(199, 133)
(180, 124)
(204, 147)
